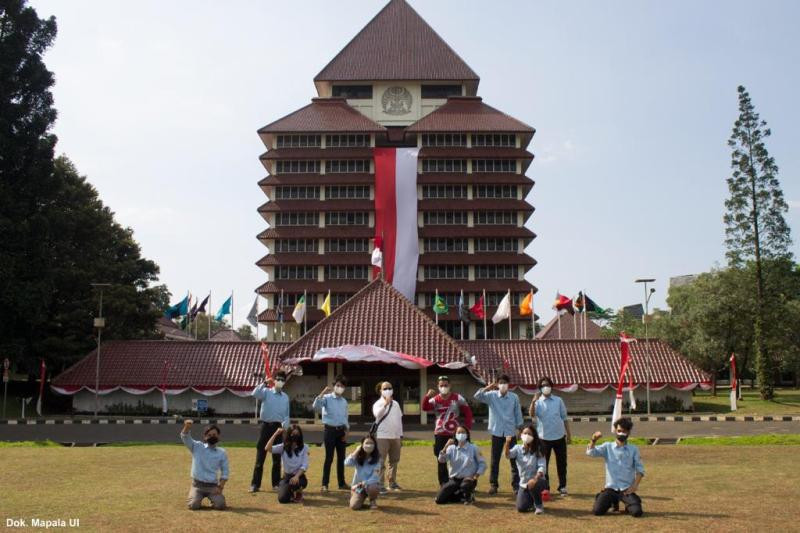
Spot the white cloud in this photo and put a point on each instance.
(550, 153)
(793, 204)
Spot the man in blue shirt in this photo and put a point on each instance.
(274, 415)
(207, 460)
(505, 420)
(624, 470)
(552, 426)
(333, 406)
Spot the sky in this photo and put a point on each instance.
(633, 103)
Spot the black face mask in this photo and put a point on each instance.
(212, 440)
(622, 437)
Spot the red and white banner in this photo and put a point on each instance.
(396, 216)
(733, 382)
(363, 353)
(625, 360)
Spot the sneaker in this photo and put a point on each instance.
(253, 488)
(562, 491)
(384, 491)
(373, 504)
(469, 500)
(274, 488)
(324, 488)
(344, 487)
(395, 487)
(492, 490)
(538, 510)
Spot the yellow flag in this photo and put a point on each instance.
(525, 306)
(326, 305)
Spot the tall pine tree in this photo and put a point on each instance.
(755, 228)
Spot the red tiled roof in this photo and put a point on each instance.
(397, 44)
(319, 179)
(569, 325)
(329, 258)
(226, 335)
(170, 330)
(465, 114)
(298, 286)
(476, 204)
(494, 258)
(581, 362)
(314, 232)
(317, 205)
(324, 115)
(476, 178)
(476, 231)
(474, 152)
(317, 153)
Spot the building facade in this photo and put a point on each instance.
(396, 84)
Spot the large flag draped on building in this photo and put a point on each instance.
(396, 216)
(624, 363)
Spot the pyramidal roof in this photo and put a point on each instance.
(397, 44)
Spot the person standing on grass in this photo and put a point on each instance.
(552, 426)
(531, 465)
(465, 464)
(389, 435)
(366, 479)
(333, 406)
(505, 419)
(274, 415)
(207, 460)
(448, 406)
(294, 457)
(624, 470)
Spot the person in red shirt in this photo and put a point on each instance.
(449, 408)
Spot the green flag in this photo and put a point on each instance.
(440, 306)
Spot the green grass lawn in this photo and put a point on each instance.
(144, 488)
(786, 402)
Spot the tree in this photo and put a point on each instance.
(246, 333)
(202, 323)
(755, 228)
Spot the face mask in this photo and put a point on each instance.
(527, 438)
(368, 447)
(444, 390)
(546, 390)
(338, 390)
(461, 437)
(622, 437)
(212, 440)
(279, 384)
(387, 393)
(503, 388)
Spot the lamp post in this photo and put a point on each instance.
(647, 295)
(99, 324)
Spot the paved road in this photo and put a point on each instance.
(105, 433)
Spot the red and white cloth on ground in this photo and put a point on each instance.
(447, 413)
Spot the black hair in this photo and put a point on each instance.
(443, 378)
(340, 379)
(465, 428)
(547, 379)
(287, 442)
(503, 377)
(374, 455)
(209, 428)
(280, 374)
(624, 423)
(536, 444)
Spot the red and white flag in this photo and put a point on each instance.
(733, 382)
(624, 363)
(396, 216)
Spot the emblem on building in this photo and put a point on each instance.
(396, 101)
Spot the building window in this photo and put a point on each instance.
(497, 139)
(440, 91)
(296, 193)
(297, 141)
(444, 139)
(445, 218)
(347, 245)
(494, 165)
(496, 245)
(348, 192)
(444, 165)
(495, 191)
(342, 218)
(296, 245)
(353, 92)
(496, 218)
(346, 272)
(450, 298)
(339, 298)
(297, 167)
(496, 271)
(447, 272)
(296, 219)
(346, 141)
(494, 298)
(444, 191)
(347, 165)
(290, 300)
(446, 245)
(295, 272)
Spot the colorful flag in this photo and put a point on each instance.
(279, 308)
(478, 310)
(463, 310)
(579, 303)
(326, 305)
(625, 360)
(563, 304)
(225, 309)
(42, 378)
(299, 310)
(592, 308)
(396, 216)
(503, 310)
(193, 311)
(440, 305)
(265, 357)
(202, 307)
(526, 307)
(252, 316)
(377, 255)
(733, 382)
(179, 309)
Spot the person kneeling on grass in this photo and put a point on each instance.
(531, 465)
(464, 464)
(366, 481)
(207, 459)
(294, 458)
(624, 470)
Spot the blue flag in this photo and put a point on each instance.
(225, 309)
(179, 309)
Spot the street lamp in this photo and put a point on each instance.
(99, 323)
(647, 295)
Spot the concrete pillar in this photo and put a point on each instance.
(423, 388)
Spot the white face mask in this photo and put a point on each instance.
(461, 437)
(527, 438)
(444, 390)
(368, 447)
(279, 384)
(546, 390)
(503, 388)
(338, 390)
(387, 393)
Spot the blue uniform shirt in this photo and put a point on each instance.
(274, 405)
(368, 473)
(505, 415)
(527, 463)
(550, 416)
(463, 461)
(333, 409)
(206, 460)
(622, 463)
(292, 463)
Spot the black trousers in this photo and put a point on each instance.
(334, 439)
(529, 498)
(560, 448)
(455, 490)
(497, 451)
(610, 497)
(438, 445)
(286, 490)
(267, 429)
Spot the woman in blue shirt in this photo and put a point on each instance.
(531, 466)
(294, 457)
(366, 480)
(465, 464)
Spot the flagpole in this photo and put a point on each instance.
(280, 320)
(208, 315)
(533, 318)
(232, 304)
(257, 336)
(435, 301)
(485, 332)
(305, 311)
(460, 312)
(510, 336)
(575, 325)
(585, 314)
(558, 320)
